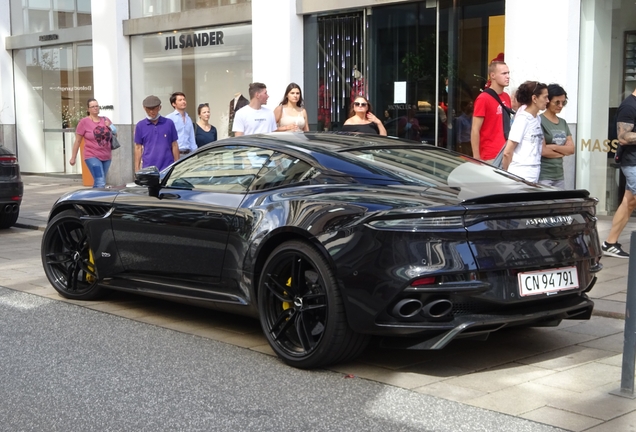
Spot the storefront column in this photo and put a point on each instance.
(7, 113)
(593, 102)
(547, 56)
(112, 80)
(277, 46)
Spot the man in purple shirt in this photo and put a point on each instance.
(155, 138)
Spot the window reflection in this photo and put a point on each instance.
(45, 15)
(226, 169)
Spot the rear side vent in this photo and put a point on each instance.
(94, 210)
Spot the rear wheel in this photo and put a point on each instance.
(67, 258)
(8, 219)
(301, 309)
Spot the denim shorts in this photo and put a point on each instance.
(630, 176)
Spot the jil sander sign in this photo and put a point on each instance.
(191, 40)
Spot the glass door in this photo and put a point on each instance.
(54, 85)
(404, 89)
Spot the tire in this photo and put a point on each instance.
(7, 220)
(303, 316)
(67, 258)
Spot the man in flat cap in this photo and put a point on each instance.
(155, 138)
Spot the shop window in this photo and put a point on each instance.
(209, 65)
(36, 16)
(341, 67)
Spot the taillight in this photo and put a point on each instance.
(419, 223)
(8, 159)
(423, 281)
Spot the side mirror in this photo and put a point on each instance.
(150, 178)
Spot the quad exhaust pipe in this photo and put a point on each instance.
(409, 308)
(10, 208)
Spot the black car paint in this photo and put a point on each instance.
(160, 245)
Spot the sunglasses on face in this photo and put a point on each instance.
(560, 103)
(360, 104)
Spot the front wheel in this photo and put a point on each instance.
(67, 258)
(301, 309)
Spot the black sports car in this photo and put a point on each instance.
(333, 238)
(11, 188)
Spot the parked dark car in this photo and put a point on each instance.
(332, 238)
(11, 188)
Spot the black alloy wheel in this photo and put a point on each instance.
(301, 309)
(67, 259)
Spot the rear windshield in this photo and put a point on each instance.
(429, 166)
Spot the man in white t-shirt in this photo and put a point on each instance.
(255, 118)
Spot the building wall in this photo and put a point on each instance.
(7, 96)
(112, 80)
(277, 46)
(547, 56)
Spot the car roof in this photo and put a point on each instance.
(322, 142)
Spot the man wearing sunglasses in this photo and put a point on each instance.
(255, 118)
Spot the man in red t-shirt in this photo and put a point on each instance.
(487, 135)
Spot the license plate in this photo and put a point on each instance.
(548, 281)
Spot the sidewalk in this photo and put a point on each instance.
(560, 376)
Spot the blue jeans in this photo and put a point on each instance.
(98, 169)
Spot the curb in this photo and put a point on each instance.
(28, 226)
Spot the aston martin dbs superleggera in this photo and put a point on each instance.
(332, 238)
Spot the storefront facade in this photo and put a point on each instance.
(416, 60)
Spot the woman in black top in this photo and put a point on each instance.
(204, 132)
(361, 119)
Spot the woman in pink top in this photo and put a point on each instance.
(97, 137)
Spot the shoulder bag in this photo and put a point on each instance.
(506, 125)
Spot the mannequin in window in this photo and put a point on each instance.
(357, 84)
(237, 102)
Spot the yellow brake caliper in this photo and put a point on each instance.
(89, 277)
(287, 305)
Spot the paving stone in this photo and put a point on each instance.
(582, 378)
(562, 419)
(566, 358)
(500, 377)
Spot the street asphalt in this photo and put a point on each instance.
(69, 368)
(563, 377)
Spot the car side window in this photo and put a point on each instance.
(220, 169)
(282, 170)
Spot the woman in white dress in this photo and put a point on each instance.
(522, 155)
(290, 114)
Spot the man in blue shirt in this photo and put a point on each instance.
(155, 138)
(183, 123)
